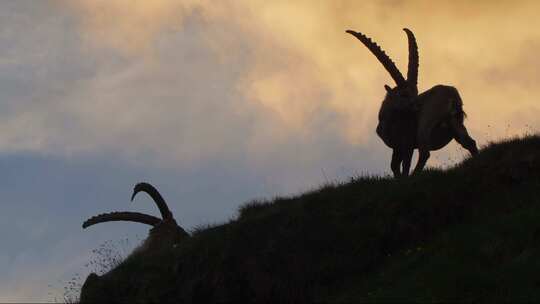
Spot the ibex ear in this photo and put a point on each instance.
(388, 88)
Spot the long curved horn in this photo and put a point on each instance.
(412, 72)
(388, 64)
(122, 216)
(154, 194)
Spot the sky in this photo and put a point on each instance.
(218, 104)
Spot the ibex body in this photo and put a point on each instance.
(408, 120)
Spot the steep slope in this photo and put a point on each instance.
(470, 233)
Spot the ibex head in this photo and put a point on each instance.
(166, 222)
(164, 229)
(399, 99)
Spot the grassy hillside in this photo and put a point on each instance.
(470, 233)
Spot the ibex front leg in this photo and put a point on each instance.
(422, 159)
(396, 163)
(406, 156)
(401, 162)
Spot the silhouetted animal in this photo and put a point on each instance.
(409, 121)
(165, 232)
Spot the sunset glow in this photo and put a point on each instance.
(225, 101)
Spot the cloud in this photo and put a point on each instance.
(295, 61)
(180, 82)
(236, 98)
(130, 25)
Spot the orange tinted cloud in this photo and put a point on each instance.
(130, 25)
(301, 62)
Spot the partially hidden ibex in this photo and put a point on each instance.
(165, 232)
(408, 120)
(164, 229)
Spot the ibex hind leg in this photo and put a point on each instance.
(462, 137)
(424, 134)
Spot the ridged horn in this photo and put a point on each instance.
(154, 194)
(122, 216)
(412, 72)
(388, 64)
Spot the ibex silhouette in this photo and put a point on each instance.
(408, 120)
(165, 232)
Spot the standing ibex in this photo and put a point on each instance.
(409, 121)
(165, 232)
